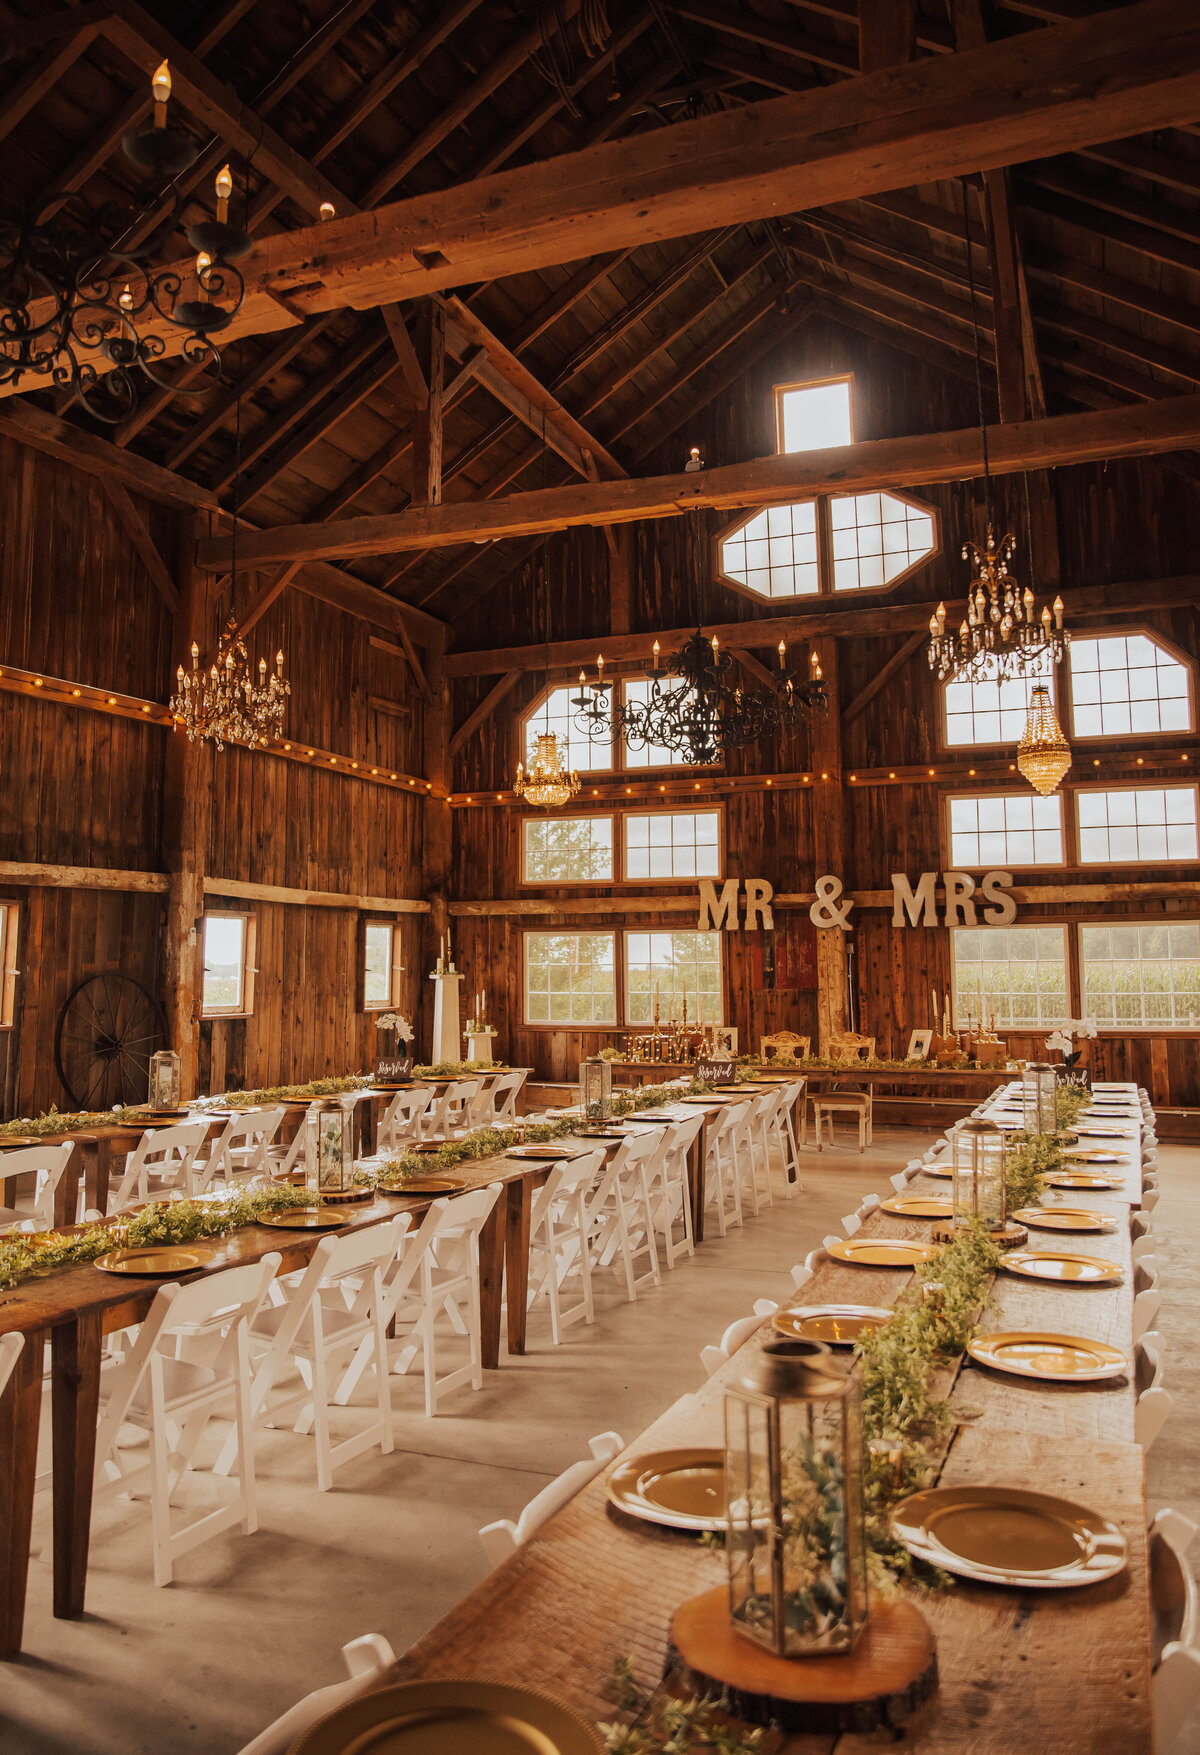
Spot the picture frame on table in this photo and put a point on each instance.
(919, 1044)
(725, 1040)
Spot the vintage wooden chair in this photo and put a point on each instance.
(784, 1045)
(846, 1048)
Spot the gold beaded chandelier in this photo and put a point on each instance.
(224, 703)
(1043, 754)
(546, 782)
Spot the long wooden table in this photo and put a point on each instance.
(1068, 1671)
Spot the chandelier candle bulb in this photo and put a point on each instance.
(327, 211)
(224, 188)
(160, 85)
(1058, 612)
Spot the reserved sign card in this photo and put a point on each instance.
(716, 1072)
(394, 1069)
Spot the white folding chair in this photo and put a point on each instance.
(161, 1166)
(448, 1275)
(620, 1213)
(496, 1105)
(793, 1097)
(173, 1400)
(503, 1538)
(241, 1150)
(735, 1336)
(722, 1167)
(48, 1165)
(1153, 1404)
(400, 1123)
(670, 1189)
(1175, 1630)
(558, 1241)
(337, 1306)
(448, 1115)
(801, 1274)
(366, 1658)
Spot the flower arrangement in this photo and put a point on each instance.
(394, 1024)
(1066, 1035)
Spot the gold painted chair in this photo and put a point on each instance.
(845, 1049)
(784, 1045)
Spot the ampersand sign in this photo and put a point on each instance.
(825, 911)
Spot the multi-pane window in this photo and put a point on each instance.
(1134, 823)
(1019, 973)
(575, 749)
(875, 538)
(567, 850)
(1141, 974)
(227, 985)
(650, 755)
(991, 709)
(1004, 829)
(1126, 683)
(775, 553)
(810, 417)
(673, 844)
(378, 942)
(9, 914)
(570, 978)
(674, 969)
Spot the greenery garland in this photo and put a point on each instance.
(283, 1093)
(73, 1121)
(668, 1726)
(457, 1069)
(25, 1255)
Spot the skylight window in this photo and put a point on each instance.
(810, 417)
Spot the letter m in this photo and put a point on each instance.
(920, 905)
(718, 911)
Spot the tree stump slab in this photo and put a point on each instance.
(891, 1670)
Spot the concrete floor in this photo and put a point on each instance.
(252, 1623)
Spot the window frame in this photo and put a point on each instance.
(10, 938)
(1067, 830)
(946, 748)
(626, 932)
(366, 921)
(249, 969)
(532, 816)
(1151, 785)
(612, 932)
(826, 591)
(1070, 962)
(716, 808)
(1107, 922)
(1095, 738)
(781, 390)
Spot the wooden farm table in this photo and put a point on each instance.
(74, 1308)
(1068, 1671)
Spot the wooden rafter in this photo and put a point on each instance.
(883, 677)
(136, 529)
(484, 710)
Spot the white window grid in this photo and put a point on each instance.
(875, 538)
(224, 951)
(1135, 824)
(992, 709)
(1021, 972)
(671, 962)
(775, 552)
(812, 417)
(575, 749)
(567, 850)
(1004, 829)
(673, 844)
(1127, 683)
(1141, 974)
(377, 965)
(637, 692)
(570, 978)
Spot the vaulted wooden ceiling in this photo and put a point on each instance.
(1087, 265)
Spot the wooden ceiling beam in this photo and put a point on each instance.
(1146, 301)
(272, 362)
(907, 340)
(1104, 208)
(772, 75)
(371, 376)
(751, 27)
(931, 33)
(135, 527)
(484, 711)
(1040, 93)
(887, 34)
(880, 463)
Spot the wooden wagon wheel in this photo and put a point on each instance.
(107, 1030)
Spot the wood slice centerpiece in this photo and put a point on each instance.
(891, 1670)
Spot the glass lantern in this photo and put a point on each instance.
(164, 1079)
(795, 1544)
(329, 1149)
(978, 1163)
(595, 1089)
(1039, 1097)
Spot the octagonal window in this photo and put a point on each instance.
(774, 554)
(871, 540)
(877, 537)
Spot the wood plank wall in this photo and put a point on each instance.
(1117, 522)
(85, 789)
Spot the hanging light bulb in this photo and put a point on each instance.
(1043, 754)
(160, 85)
(224, 188)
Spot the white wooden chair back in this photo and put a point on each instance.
(455, 1248)
(366, 1658)
(400, 1121)
(735, 1336)
(49, 1165)
(166, 1155)
(450, 1110)
(242, 1147)
(500, 1099)
(1175, 1630)
(505, 1537)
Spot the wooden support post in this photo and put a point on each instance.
(187, 820)
(430, 347)
(437, 847)
(828, 808)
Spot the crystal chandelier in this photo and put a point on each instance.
(547, 782)
(224, 703)
(1001, 634)
(1043, 754)
(74, 283)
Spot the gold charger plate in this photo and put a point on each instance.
(157, 1260)
(1049, 1358)
(1003, 1535)
(1092, 1156)
(450, 1718)
(893, 1252)
(1083, 1179)
(683, 1489)
(838, 1325)
(1062, 1266)
(918, 1206)
(547, 1154)
(422, 1185)
(942, 1170)
(1103, 1133)
(308, 1218)
(1063, 1219)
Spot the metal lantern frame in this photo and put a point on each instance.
(978, 1161)
(595, 1088)
(329, 1148)
(165, 1079)
(795, 1541)
(1039, 1097)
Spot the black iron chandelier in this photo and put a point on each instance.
(75, 281)
(691, 708)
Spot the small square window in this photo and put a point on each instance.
(811, 417)
(228, 987)
(379, 943)
(9, 919)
